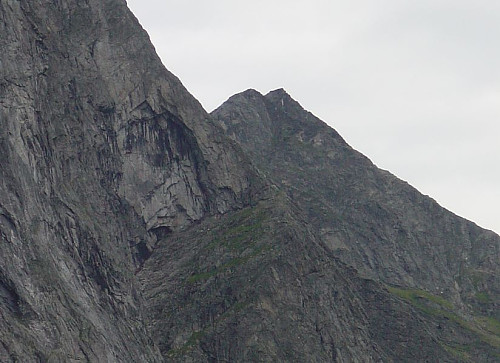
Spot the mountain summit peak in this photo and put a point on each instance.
(278, 91)
(132, 229)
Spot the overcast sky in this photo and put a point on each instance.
(414, 85)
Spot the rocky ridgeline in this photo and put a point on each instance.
(136, 227)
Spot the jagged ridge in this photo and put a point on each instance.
(133, 229)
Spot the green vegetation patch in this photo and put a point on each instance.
(230, 264)
(486, 329)
(417, 297)
(483, 297)
(238, 237)
(196, 336)
(461, 352)
(490, 324)
(240, 231)
(186, 347)
(477, 277)
(202, 276)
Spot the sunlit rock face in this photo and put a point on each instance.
(135, 227)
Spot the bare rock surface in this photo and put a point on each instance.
(365, 216)
(368, 218)
(103, 152)
(135, 227)
(258, 285)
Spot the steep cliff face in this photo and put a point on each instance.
(133, 229)
(367, 217)
(103, 151)
(258, 285)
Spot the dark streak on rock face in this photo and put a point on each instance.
(103, 153)
(133, 229)
(10, 299)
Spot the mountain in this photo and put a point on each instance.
(135, 227)
(365, 216)
(370, 219)
(103, 152)
(258, 285)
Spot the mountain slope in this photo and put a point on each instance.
(367, 217)
(132, 229)
(103, 152)
(258, 285)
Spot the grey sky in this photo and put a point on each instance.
(414, 85)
